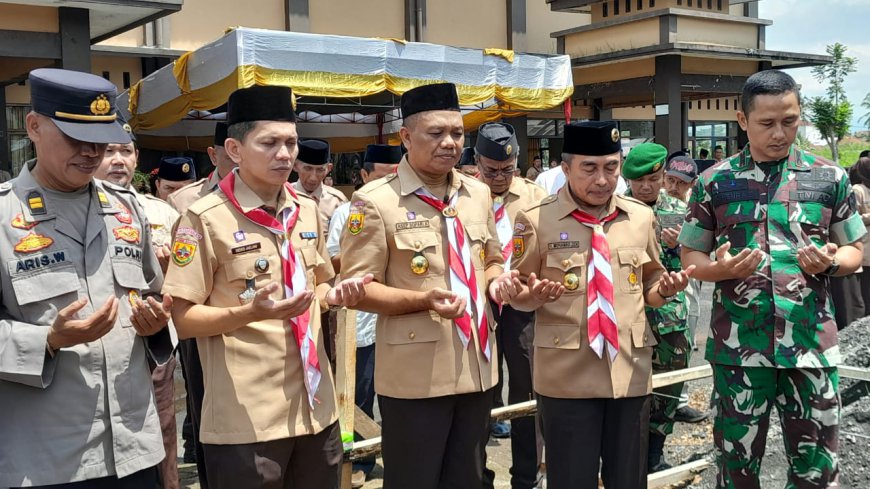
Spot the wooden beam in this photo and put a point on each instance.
(856, 373)
(684, 375)
(677, 474)
(345, 378)
(364, 425)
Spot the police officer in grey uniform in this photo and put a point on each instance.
(79, 305)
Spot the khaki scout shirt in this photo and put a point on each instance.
(88, 411)
(161, 217)
(419, 355)
(522, 194)
(254, 387)
(327, 198)
(550, 243)
(184, 197)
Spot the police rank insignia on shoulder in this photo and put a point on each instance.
(33, 242)
(183, 251)
(519, 246)
(35, 203)
(19, 223)
(127, 233)
(104, 201)
(355, 222)
(123, 216)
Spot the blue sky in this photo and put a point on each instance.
(807, 26)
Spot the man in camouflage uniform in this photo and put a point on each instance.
(644, 170)
(791, 222)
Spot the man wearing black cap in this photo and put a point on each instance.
(173, 173)
(380, 160)
(427, 234)
(590, 260)
(182, 198)
(466, 164)
(77, 301)
(250, 279)
(312, 166)
(496, 151)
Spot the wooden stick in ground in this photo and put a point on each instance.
(345, 379)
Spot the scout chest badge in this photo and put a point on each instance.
(570, 280)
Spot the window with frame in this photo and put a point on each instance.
(20, 147)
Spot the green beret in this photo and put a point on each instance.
(644, 159)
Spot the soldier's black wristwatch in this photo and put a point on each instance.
(833, 269)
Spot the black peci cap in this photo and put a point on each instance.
(261, 103)
(439, 96)
(592, 138)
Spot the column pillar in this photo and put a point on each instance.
(75, 39)
(668, 104)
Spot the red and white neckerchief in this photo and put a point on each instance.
(462, 277)
(504, 230)
(600, 315)
(294, 278)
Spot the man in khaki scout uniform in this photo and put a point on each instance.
(250, 278)
(591, 262)
(496, 151)
(78, 408)
(428, 236)
(312, 166)
(379, 161)
(181, 199)
(118, 165)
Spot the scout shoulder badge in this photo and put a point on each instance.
(356, 219)
(184, 246)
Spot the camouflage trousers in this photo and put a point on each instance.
(809, 412)
(672, 352)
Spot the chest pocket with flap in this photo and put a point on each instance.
(422, 242)
(630, 276)
(560, 264)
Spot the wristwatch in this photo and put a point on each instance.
(669, 298)
(833, 269)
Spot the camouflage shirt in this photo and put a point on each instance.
(779, 316)
(673, 316)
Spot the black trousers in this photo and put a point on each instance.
(847, 298)
(144, 479)
(302, 462)
(514, 336)
(864, 277)
(191, 368)
(580, 432)
(434, 443)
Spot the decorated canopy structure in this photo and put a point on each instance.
(347, 88)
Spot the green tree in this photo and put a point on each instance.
(866, 117)
(831, 114)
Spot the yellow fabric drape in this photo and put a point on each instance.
(323, 84)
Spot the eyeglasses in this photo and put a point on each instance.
(487, 173)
